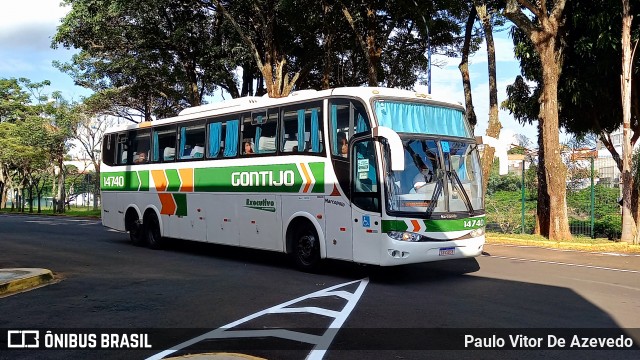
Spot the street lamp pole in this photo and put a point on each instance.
(426, 25)
(428, 57)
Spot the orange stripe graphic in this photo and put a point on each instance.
(159, 180)
(186, 175)
(306, 175)
(168, 205)
(416, 225)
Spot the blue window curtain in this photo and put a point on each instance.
(215, 132)
(301, 130)
(156, 147)
(361, 125)
(183, 140)
(257, 139)
(315, 139)
(421, 118)
(334, 129)
(231, 138)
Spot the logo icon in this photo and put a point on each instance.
(20, 339)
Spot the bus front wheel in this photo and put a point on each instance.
(152, 232)
(306, 249)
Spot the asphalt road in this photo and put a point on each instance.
(413, 312)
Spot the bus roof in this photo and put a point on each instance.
(256, 102)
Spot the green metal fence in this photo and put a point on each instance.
(593, 191)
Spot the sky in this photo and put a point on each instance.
(27, 26)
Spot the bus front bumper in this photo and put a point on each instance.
(402, 252)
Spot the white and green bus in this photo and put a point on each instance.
(370, 175)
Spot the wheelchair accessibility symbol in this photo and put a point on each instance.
(366, 221)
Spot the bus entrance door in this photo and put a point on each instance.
(365, 199)
(338, 227)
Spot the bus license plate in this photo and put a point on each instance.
(447, 251)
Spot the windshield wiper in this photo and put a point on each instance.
(453, 175)
(436, 194)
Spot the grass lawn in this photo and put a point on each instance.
(74, 211)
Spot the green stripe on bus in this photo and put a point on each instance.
(437, 225)
(181, 203)
(174, 179)
(394, 225)
(144, 180)
(257, 178)
(125, 180)
(454, 224)
(317, 169)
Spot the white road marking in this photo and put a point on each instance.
(564, 264)
(565, 250)
(321, 342)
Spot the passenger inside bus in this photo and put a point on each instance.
(343, 144)
(427, 171)
(140, 158)
(248, 148)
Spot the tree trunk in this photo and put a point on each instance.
(494, 127)
(556, 171)
(61, 188)
(30, 198)
(629, 229)
(542, 207)
(464, 70)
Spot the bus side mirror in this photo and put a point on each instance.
(395, 146)
(501, 152)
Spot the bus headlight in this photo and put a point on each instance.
(405, 236)
(477, 232)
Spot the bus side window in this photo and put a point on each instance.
(339, 124)
(264, 130)
(192, 139)
(303, 129)
(360, 119)
(164, 144)
(108, 149)
(365, 178)
(141, 146)
(215, 140)
(231, 138)
(123, 149)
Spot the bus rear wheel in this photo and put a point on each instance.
(132, 224)
(306, 250)
(152, 232)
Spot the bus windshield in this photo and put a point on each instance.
(421, 118)
(440, 176)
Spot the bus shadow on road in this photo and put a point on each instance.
(342, 269)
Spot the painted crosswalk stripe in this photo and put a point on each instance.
(321, 342)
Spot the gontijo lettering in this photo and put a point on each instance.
(262, 178)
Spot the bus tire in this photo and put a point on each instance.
(306, 249)
(152, 232)
(132, 224)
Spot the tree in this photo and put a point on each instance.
(155, 57)
(470, 113)
(544, 33)
(493, 129)
(89, 132)
(265, 30)
(629, 227)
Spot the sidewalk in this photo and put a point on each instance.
(20, 279)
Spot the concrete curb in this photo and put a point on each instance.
(615, 247)
(20, 279)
